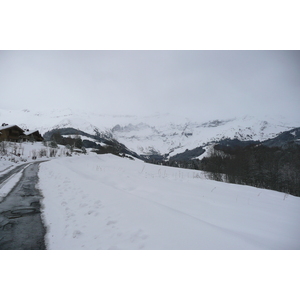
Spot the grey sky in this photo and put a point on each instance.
(197, 84)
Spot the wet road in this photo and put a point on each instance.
(21, 226)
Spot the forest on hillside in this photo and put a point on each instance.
(260, 166)
(272, 168)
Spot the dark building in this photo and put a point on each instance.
(12, 133)
(33, 135)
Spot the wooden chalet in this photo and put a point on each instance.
(14, 133)
(11, 133)
(33, 135)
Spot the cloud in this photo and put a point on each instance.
(194, 83)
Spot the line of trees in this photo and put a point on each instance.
(260, 166)
(72, 142)
(272, 168)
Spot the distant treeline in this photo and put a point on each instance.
(260, 166)
(73, 142)
(109, 146)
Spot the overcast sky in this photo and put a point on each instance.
(204, 84)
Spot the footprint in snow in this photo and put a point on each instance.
(111, 222)
(138, 235)
(77, 233)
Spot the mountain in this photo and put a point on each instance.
(284, 139)
(161, 135)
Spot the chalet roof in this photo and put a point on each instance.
(30, 132)
(10, 126)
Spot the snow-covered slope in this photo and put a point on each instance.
(108, 202)
(152, 134)
(47, 120)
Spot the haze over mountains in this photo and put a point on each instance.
(154, 134)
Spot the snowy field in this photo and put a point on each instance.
(108, 202)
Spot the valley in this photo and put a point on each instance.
(98, 190)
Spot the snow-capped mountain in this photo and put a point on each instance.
(175, 138)
(156, 134)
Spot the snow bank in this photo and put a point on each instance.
(18, 153)
(5, 165)
(108, 202)
(8, 185)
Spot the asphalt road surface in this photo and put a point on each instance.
(21, 226)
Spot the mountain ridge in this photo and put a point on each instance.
(160, 134)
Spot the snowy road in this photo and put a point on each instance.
(21, 226)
